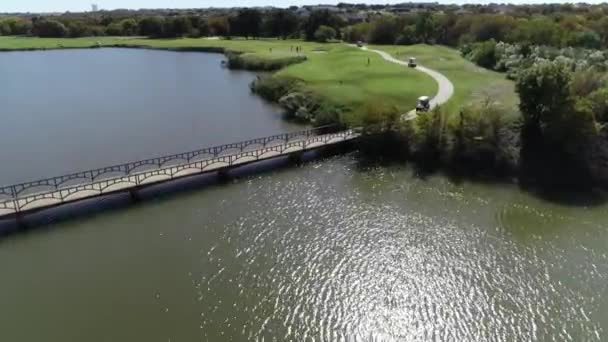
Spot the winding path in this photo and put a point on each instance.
(446, 88)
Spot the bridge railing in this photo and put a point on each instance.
(90, 176)
(121, 183)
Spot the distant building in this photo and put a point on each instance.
(94, 8)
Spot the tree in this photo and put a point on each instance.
(247, 23)
(356, 33)
(114, 29)
(319, 18)
(486, 27)
(484, 54)
(383, 31)
(129, 27)
(5, 29)
(544, 92)
(598, 100)
(551, 110)
(49, 29)
(425, 27)
(182, 26)
(176, 27)
(280, 23)
(586, 39)
(15, 26)
(78, 29)
(203, 28)
(151, 26)
(540, 31)
(407, 36)
(324, 34)
(219, 26)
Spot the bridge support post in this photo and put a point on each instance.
(134, 195)
(296, 158)
(223, 176)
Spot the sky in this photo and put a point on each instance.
(84, 5)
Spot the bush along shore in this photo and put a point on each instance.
(299, 103)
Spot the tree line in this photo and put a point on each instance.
(251, 23)
(553, 25)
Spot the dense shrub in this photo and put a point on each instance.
(272, 88)
(428, 135)
(15, 26)
(49, 29)
(377, 117)
(476, 134)
(483, 54)
(325, 34)
(151, 26)
(257, 63)
(384, 31)
(356, 33)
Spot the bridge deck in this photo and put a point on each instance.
(36, 195)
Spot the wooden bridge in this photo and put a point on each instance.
(129, 177)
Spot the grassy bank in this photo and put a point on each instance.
(471, 82)
(335, 72)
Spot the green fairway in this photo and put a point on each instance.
(470, 81)
(337, 72)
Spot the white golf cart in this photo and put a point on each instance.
(424, 104)
(412, 62)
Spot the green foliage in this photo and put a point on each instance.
(151, 27)
(328, 114)
(273, 88)
(280, 23)
(586, 39)
(379, 117)
(428, 134)
(598, 102)
(407, 36)
(325, 34)
(176, 27)
(585, 82)
(321, 18)
(483, 54)
(356, 33)
(15, 26)
(486, 27)
(247, 23)
(544, 92)
(476, 133)
(550, 107)
(219, 26)
(425, 27)
(383, 31)
(538, 31)
(78, 29)
(259, 63)
(49, 29)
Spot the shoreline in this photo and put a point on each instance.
(302, 96)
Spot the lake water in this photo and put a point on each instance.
(74, 110)
(331, 250)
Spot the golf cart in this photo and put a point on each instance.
(360, 44)
(424, 104)
(412, 62)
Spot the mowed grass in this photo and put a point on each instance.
(343, 76)
(337, 72)
(471, 82)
